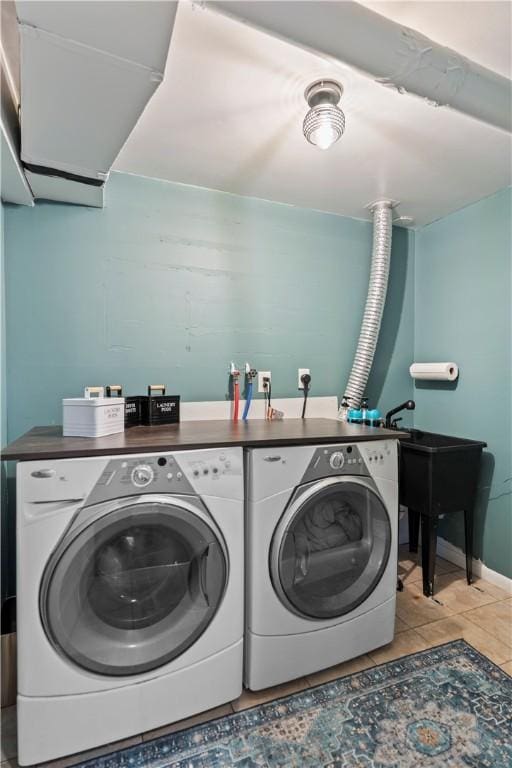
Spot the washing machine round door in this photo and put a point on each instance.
(330, 548)
(134, 585)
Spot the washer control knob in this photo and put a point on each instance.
(142, 475)
(337, 460)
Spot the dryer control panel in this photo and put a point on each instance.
(381, 458)
(335, 460)
(364, 459)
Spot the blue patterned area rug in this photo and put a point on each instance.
(448, 707)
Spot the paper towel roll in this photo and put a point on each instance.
(434, 371)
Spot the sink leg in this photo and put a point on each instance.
(414, 529)
(428, 552)
(468, 534)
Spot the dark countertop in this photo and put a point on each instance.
(48, 442)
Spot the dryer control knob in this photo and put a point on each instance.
(337, 460)
(142, 475)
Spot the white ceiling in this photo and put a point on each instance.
(229, 116)
(481, 31)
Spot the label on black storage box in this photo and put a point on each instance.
(160, 409)
(132, 411)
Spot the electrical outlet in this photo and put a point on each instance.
(263, 375)
(301, 372)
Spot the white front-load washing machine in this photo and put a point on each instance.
(321, 543)
(130, 595)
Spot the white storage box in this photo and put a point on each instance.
(92, 416)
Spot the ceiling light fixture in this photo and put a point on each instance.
(325, 122)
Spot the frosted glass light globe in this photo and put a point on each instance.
(325, 122)
(323, 125)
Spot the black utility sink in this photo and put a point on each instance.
(438, 475)
(433, 442)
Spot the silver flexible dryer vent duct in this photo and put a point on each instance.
(377, 289)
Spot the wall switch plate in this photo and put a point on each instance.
(301, 372)
(263, 375)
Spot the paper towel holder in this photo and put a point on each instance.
(448, 372)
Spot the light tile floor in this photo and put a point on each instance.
(480, 613)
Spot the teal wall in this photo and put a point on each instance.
(463, 273)
(168, 283)
(7, 517)
(3, 378)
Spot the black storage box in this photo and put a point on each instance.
(159, 409)
(132, 410)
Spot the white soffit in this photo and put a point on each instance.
(229, 114)
(78, 105)
(137, 31)
(10, 47)
(88, 69)
(14, 187)
(59, 189)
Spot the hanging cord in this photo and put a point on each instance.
(304, 404)
(306, 381)
(267, 390)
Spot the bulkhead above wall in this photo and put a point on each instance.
(87, 72)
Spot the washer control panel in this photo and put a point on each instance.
(200, 472)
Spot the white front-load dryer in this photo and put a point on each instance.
(321, 539)
(130, 595)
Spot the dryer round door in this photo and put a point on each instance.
(135, 586)
(330, 548)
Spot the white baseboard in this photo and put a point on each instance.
(317, 407)
(456, 555)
